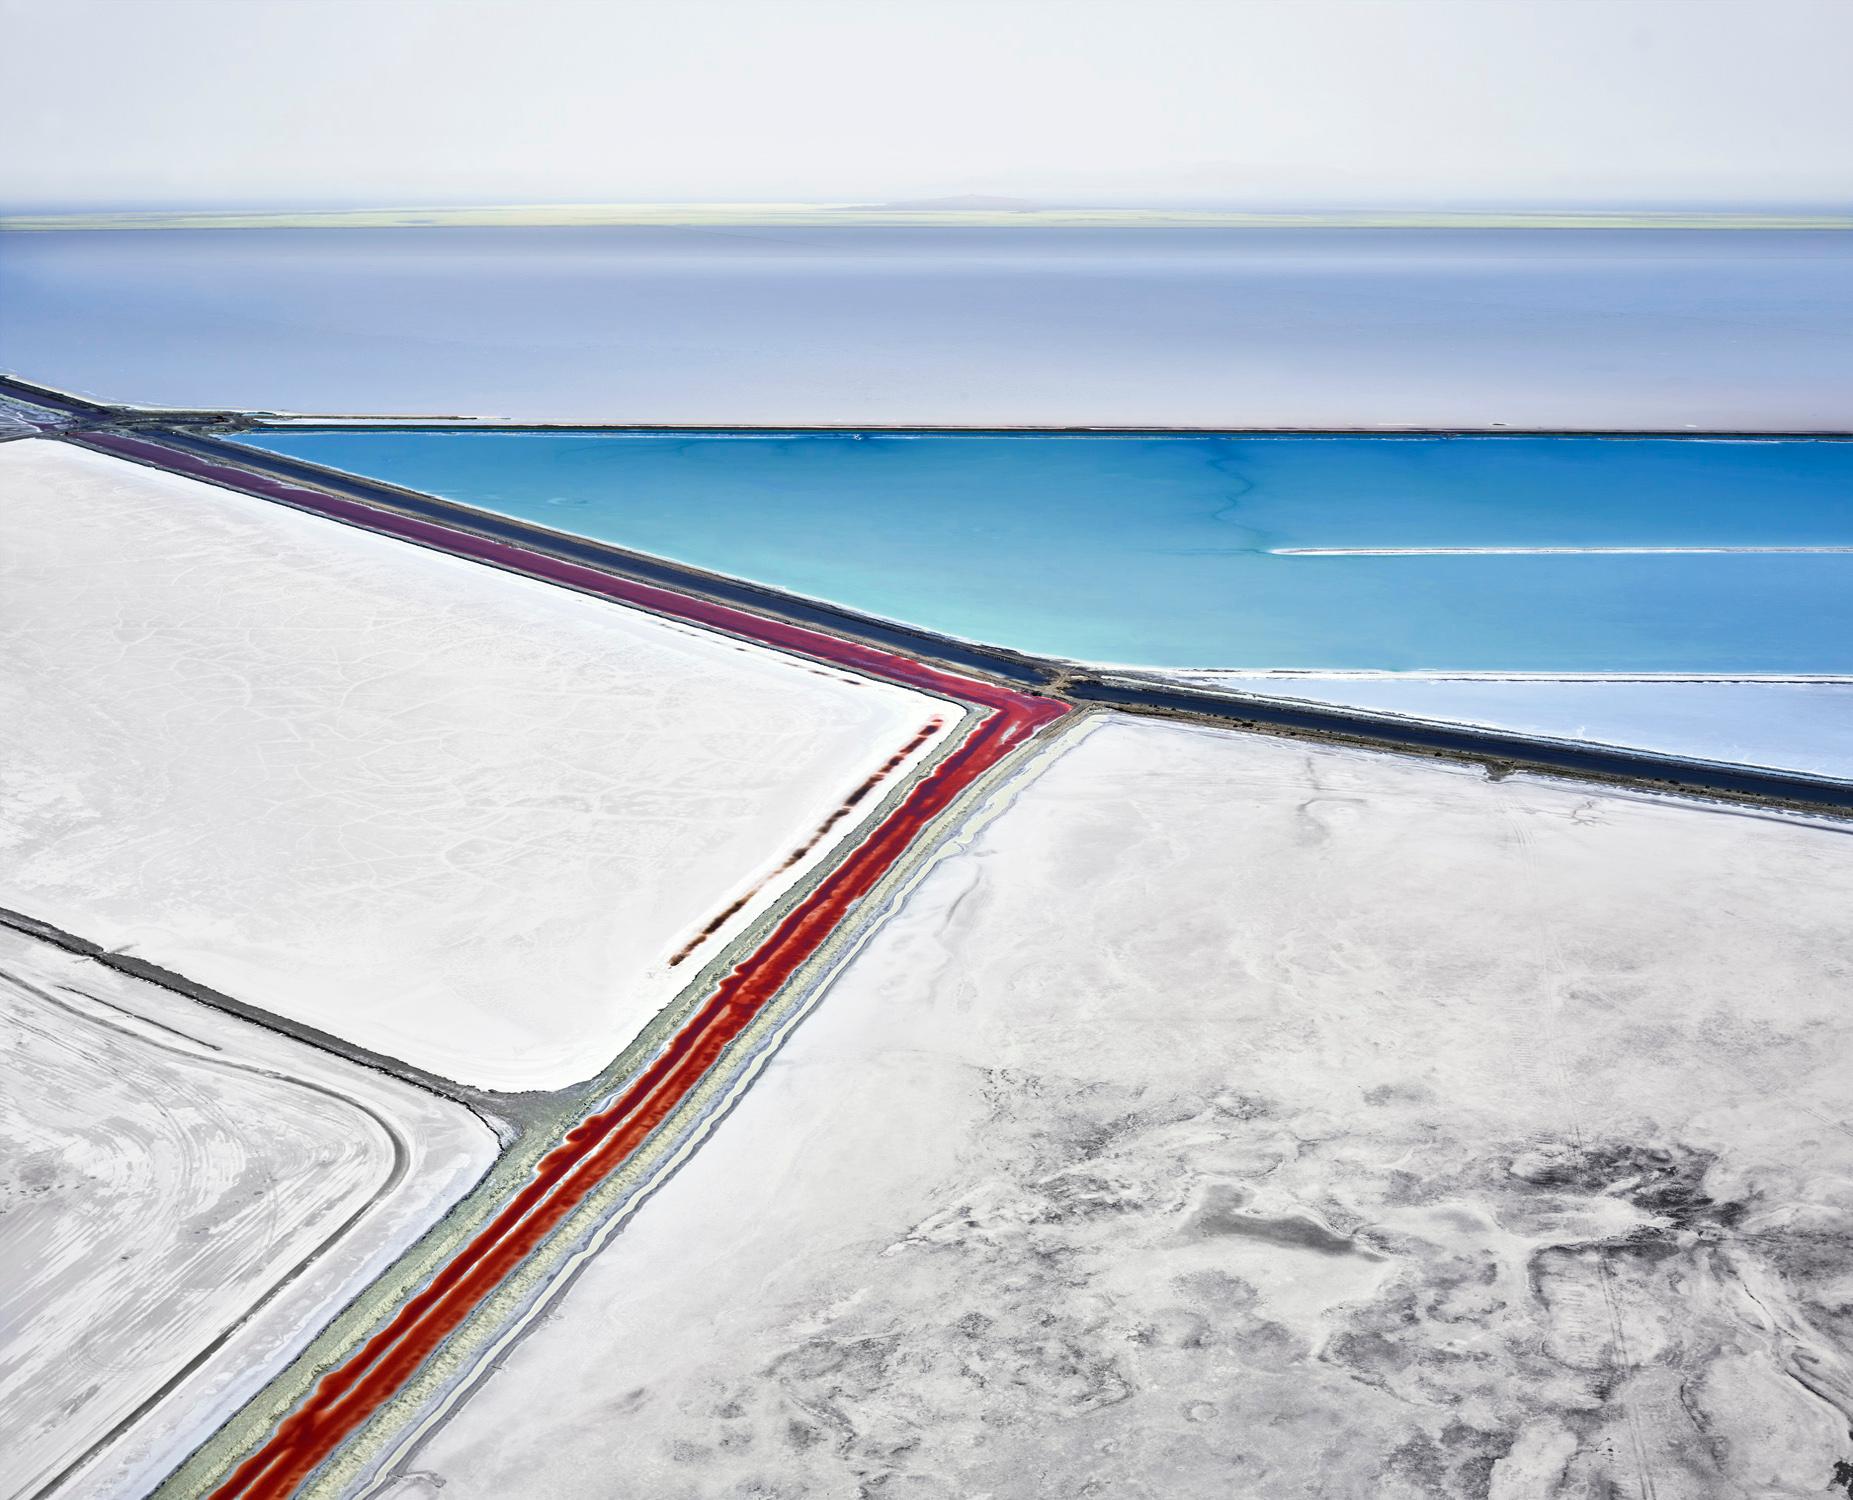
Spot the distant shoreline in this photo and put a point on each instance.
(819, 216)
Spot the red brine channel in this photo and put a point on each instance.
(353, 1391)
(889, 666)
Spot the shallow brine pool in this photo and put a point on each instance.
(1501, 554)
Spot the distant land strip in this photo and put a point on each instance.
(952, 213)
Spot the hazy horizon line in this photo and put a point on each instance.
(967, 210)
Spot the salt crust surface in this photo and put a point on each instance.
(165, 1169)
(1238, 1117)
(457, 817)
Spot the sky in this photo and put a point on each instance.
(1229, 103)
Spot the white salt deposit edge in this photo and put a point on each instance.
(1803, 725)
(456, 817)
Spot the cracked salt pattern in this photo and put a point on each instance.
(453, 816)
(1234, 1116)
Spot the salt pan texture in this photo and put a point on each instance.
(184, 1197)
(457, 817)
(1234, 1116)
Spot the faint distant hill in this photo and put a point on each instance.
(968, 202)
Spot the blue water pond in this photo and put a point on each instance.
(1502, 554)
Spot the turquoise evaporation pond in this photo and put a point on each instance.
(1234, 551)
